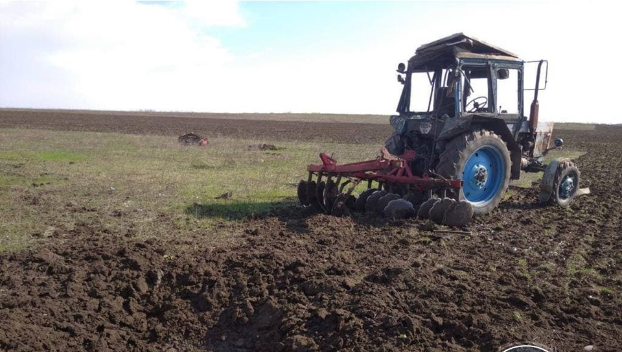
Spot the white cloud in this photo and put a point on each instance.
(217, 13)
(108, 55)
(123, 54)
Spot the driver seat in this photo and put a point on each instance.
(444, 104)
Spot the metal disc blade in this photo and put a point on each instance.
(331, 191)
(424, 209)
(384, 201)
(459, 214)
(342, 204)
(370, 204)
(399, 209)
(302, 193)
(362, 199)
(311, 193)
(319, 195)
(437, 212)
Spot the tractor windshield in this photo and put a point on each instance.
(475, 85)
(421, 89)
(433, 92)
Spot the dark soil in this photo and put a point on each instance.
(208, 127)
(295, 280)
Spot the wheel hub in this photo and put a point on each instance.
(480, 176)
(483, 175)
(566, 187)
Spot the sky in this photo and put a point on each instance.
(288, 56)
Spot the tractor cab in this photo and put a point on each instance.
(466, 85)
(459, 83)
(460, 75)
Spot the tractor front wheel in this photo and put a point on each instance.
(482, 161)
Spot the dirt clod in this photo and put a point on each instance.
(261, 147)
(192, 138)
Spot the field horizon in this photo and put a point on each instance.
(269, 116)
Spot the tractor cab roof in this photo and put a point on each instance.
(443, 53)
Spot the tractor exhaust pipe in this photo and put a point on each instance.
(535, 106)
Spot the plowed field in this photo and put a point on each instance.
(296, 280)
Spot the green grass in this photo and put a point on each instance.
(6, 181)
(529, 179)
(43, 155)
(523, 269)
(144, 185)
(574, 126)
(576, 263)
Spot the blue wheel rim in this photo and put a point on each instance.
(483, 175)
(567, 186)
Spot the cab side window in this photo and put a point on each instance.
(507, 91)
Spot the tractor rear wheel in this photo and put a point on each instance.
(482, 161)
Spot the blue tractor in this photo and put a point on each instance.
(461, 134)
(462, 112)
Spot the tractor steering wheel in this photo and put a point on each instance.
(476, 105)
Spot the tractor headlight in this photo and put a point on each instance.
(398, 123)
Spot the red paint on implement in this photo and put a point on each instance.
(382, 170)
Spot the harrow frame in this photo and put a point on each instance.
(389, 173)
(382, 170)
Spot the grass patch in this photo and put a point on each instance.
(6, 181)
(234, 210)
(523, 268)
(529, 179)
(575, 126)
(547, 267)
(549, 230)
(44, 155)
(576, 263)
(144, 186)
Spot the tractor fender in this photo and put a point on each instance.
(457, 126)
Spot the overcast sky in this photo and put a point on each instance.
(332, 57)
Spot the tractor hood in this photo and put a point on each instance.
(444, 52)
